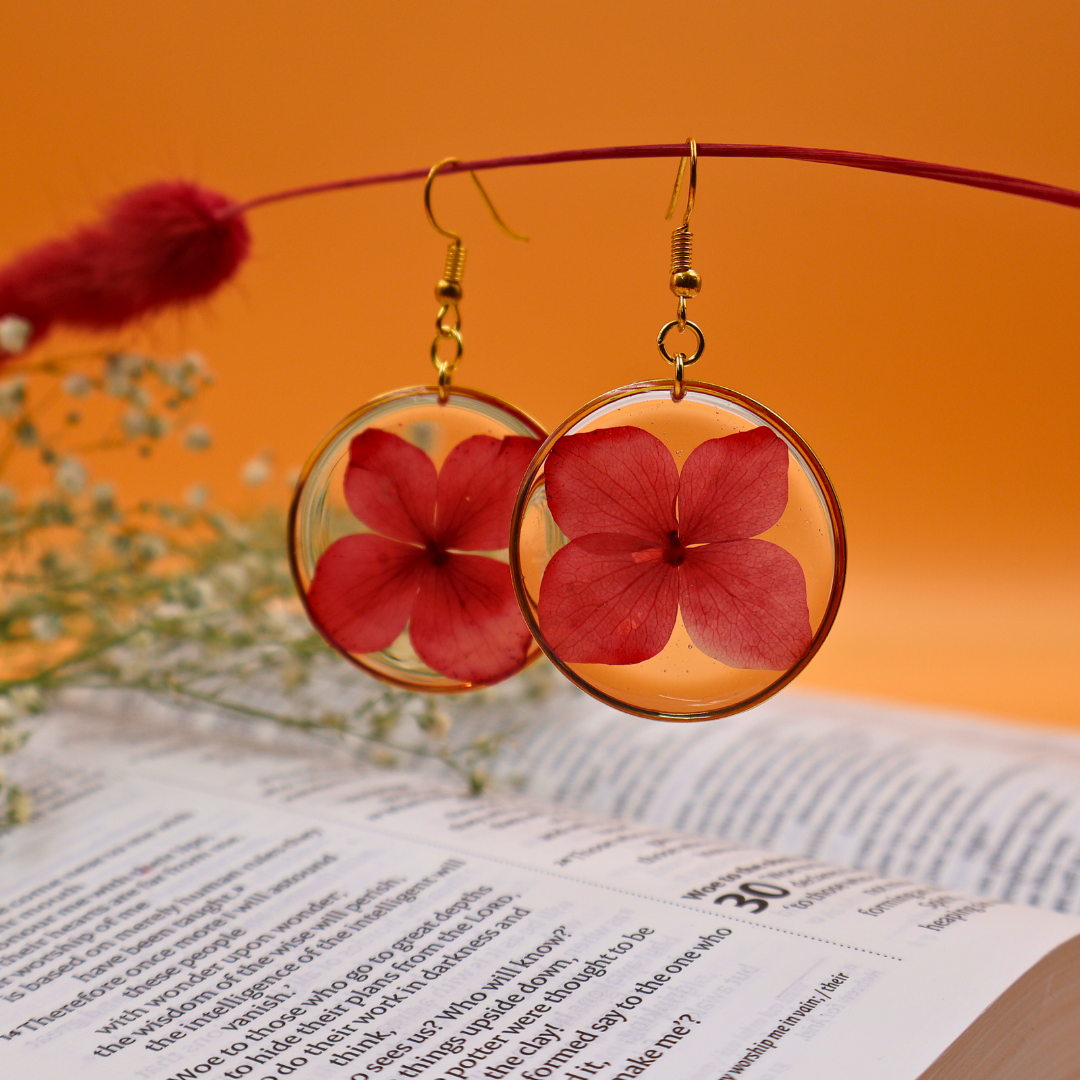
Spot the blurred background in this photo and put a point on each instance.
(921, 336)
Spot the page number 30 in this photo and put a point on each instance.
(754, 892)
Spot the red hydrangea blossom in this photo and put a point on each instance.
(647, 542)
(461, 612)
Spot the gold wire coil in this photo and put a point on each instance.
(682, 249)
(685, 280)
(449, 289)
(455, 263)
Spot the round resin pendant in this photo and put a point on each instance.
(398, 538)
(681, 560)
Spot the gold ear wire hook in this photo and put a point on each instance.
(685, 281)
(449, 291)
(483, 195)
(678, 184)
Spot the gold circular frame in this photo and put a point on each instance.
(439, 684)
(836, 520)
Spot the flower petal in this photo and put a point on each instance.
(744, 603)
(608, 599)
(617, 480)
(363, 591)
(390, 486)
(734, 487)
(466, 624)
(477, 486)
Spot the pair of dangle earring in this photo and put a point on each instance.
(674, 547)
(677, 549)
(400, 523)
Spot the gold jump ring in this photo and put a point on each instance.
(674, 324)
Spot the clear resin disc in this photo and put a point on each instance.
(681, 560)
(398, 538)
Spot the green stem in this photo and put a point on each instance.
(307, 725)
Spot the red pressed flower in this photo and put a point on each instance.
(463, 619)
(646, 542)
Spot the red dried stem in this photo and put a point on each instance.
(951, 174)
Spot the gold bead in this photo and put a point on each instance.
(686, 283)
(449, 292)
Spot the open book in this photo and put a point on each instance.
(813, 890)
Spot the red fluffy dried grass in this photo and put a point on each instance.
(163, 244)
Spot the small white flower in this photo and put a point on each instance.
(157, 427)
(135, 423)
(234, 576)
(70, 476)
(257, 470)
(19, 806)
(437, 723)
(8, 496)
(77, 385)
(14, 333)
(127, 364)
(192, 363)
(7, 709)
(170, 609)
(150, 546)
(204, 593)
(46, 627)
(12, 396)
(103, 496)
(10, 741)
(197, 496)
(197, 437)
(26, 699)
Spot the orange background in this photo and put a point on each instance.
(922, 337)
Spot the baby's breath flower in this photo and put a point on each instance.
(235, 576)
(10, 741)
(14, 333)
(129, 365)
(46, 627)
(116, 385)
(197, 496)
(135, 423)
(171, 610)
(70, 476)
(436, 722)
(27, 434)
(12, 396)
(192, 363)
(197, 437)
(157, 427)
(77, 385)
(149, 546)
(103, 497)
(257, 470)
(202, 592)
(18, 806)
(26, 699)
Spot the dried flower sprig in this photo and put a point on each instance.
(170, 599)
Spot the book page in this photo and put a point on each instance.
(975, 806)
(185, 911)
